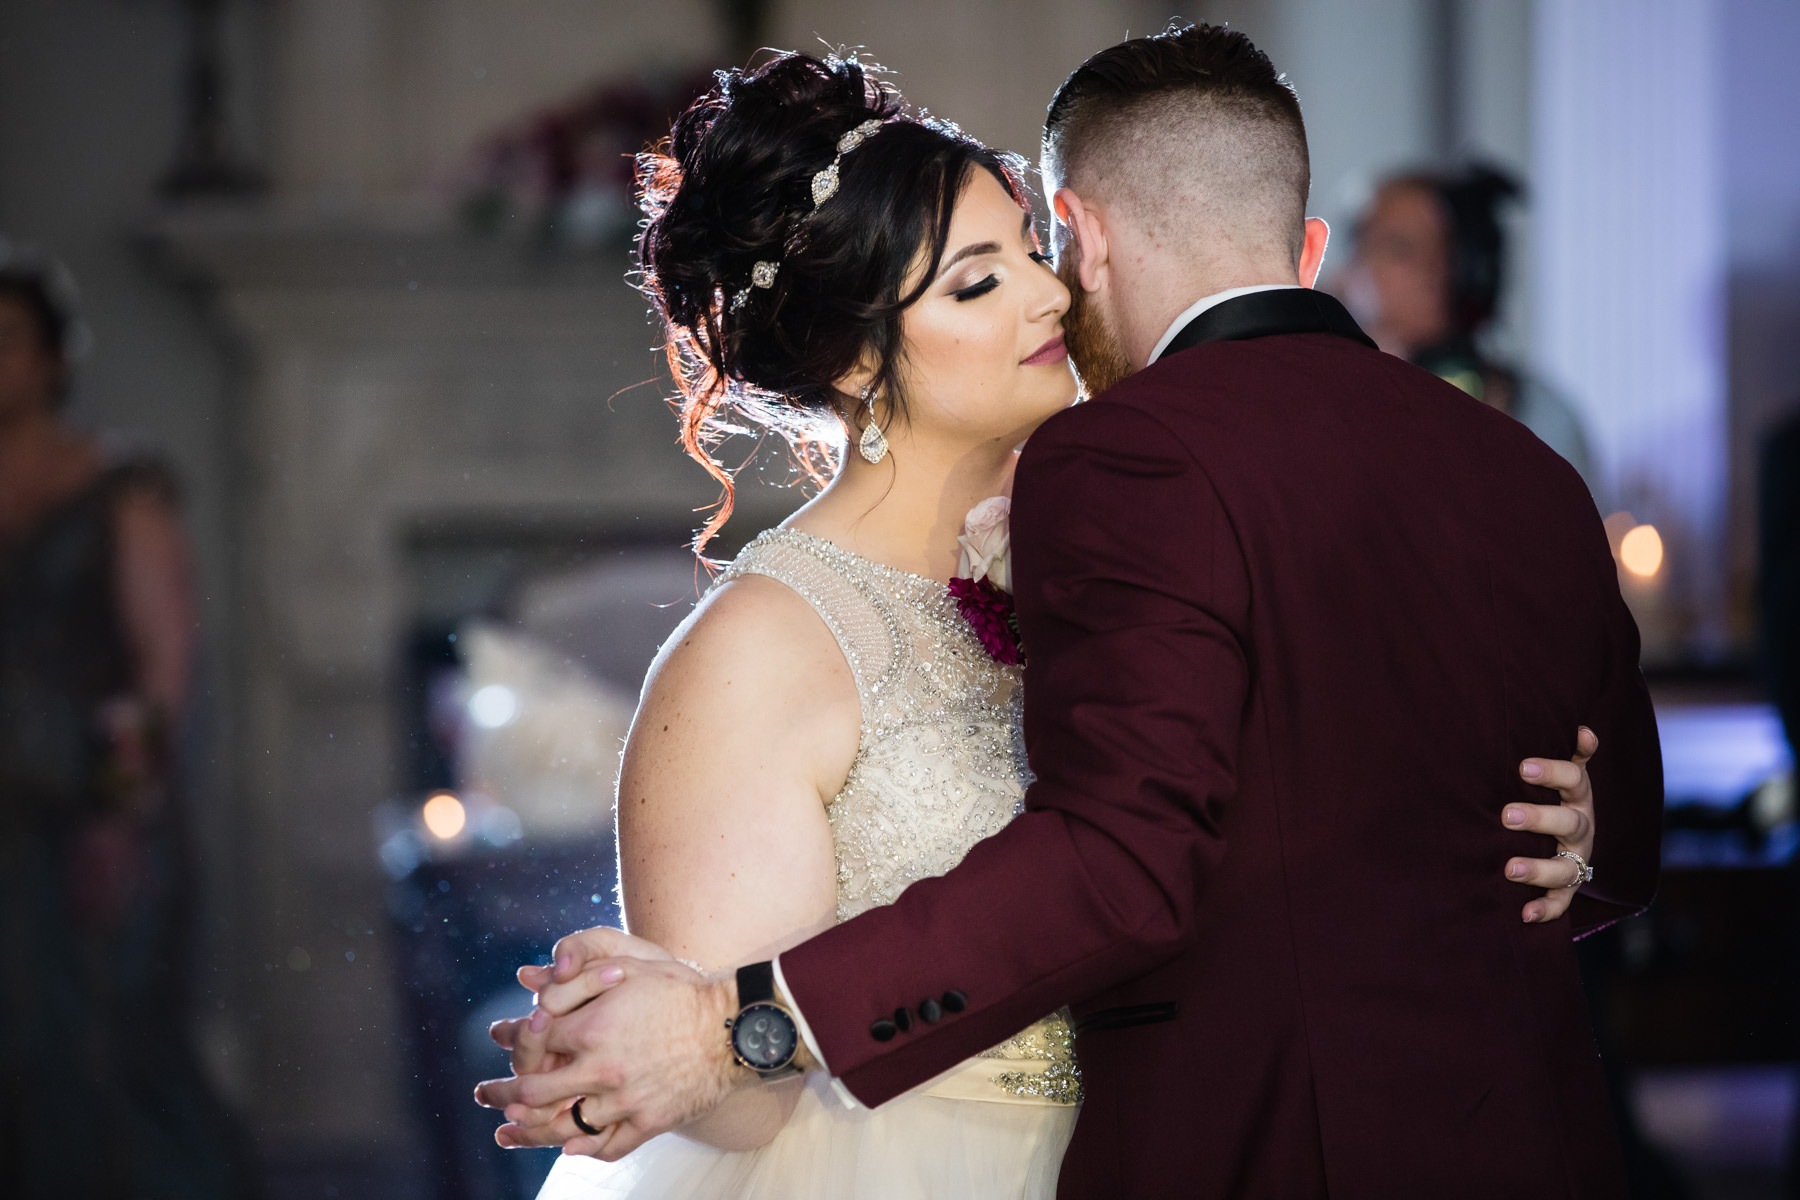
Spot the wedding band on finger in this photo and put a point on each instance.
(1583, 872)
(575, 1112)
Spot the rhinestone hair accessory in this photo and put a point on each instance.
(824, 187)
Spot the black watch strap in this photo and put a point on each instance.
(755, 983)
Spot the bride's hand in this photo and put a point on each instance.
(1570, 822)
(575, 975)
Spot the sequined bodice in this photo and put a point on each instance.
(941, 763)
(940, 766)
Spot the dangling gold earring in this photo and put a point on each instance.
(873, 443)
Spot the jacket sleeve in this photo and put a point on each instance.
(1133, 600)
(1627, 778)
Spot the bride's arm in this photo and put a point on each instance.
(748, 725)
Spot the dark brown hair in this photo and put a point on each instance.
(731, 187)
(1210, 62)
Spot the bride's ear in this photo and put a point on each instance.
(850, 385)
(1086, 238)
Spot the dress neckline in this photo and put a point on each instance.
(832, 550)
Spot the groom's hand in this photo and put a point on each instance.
(647, 1054)
(1570, 822)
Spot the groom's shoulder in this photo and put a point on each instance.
(1119, 420)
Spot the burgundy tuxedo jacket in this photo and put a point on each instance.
(1294, 610)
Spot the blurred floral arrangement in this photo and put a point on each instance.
(562, 178)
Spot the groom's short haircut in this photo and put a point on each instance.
(1193, 131)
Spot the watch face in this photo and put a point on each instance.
(764, 1037)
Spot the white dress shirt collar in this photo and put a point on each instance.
(1206, 302)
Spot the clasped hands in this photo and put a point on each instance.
(638, 1039)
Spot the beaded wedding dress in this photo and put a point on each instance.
(940, 766)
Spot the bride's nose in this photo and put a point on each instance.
(1052, 302)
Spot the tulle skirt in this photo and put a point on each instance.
(916, 1147)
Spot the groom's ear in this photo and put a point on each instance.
(1312, 251)
(1087, 232)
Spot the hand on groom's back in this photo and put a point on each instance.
(1570, 822)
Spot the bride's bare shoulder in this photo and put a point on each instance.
(755, 641)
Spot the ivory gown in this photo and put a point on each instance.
(940, 766)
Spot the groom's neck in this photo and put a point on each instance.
(1156, 286)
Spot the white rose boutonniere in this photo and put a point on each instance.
(987, 543)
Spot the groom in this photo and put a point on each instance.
(1294, 609)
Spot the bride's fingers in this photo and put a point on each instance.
(559, 999)
(1558, 873)
(1562, 822)
(1560, 774)
(579, 951)
(575, 951)
(1587, 744)
(1547, 907)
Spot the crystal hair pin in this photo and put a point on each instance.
(824, 187)
(762, 275)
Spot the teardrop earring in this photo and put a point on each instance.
(873, 443)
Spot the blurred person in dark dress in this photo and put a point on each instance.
(1426, 280)
(101, 1093)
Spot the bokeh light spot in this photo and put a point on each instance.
(1642, 551)
(444, 816)
(494, 706)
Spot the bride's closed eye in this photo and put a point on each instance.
(975, 290)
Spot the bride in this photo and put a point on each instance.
(826, 727)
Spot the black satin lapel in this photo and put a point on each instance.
(1267, 314)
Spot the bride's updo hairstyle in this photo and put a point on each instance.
(732, 187)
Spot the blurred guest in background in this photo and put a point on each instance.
(1426, 281)
(101, 1094)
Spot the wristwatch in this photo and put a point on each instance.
(764, 1036)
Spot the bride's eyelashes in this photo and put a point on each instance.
(976, 290)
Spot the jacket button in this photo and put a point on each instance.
(930, 1010)
(955, 1001)
(883, 1030)
(903, 1019)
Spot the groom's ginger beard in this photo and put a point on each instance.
(1094, 346)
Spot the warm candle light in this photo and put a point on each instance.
(1641, 551)
(444, 816)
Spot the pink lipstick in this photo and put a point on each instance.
(1052, 351)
